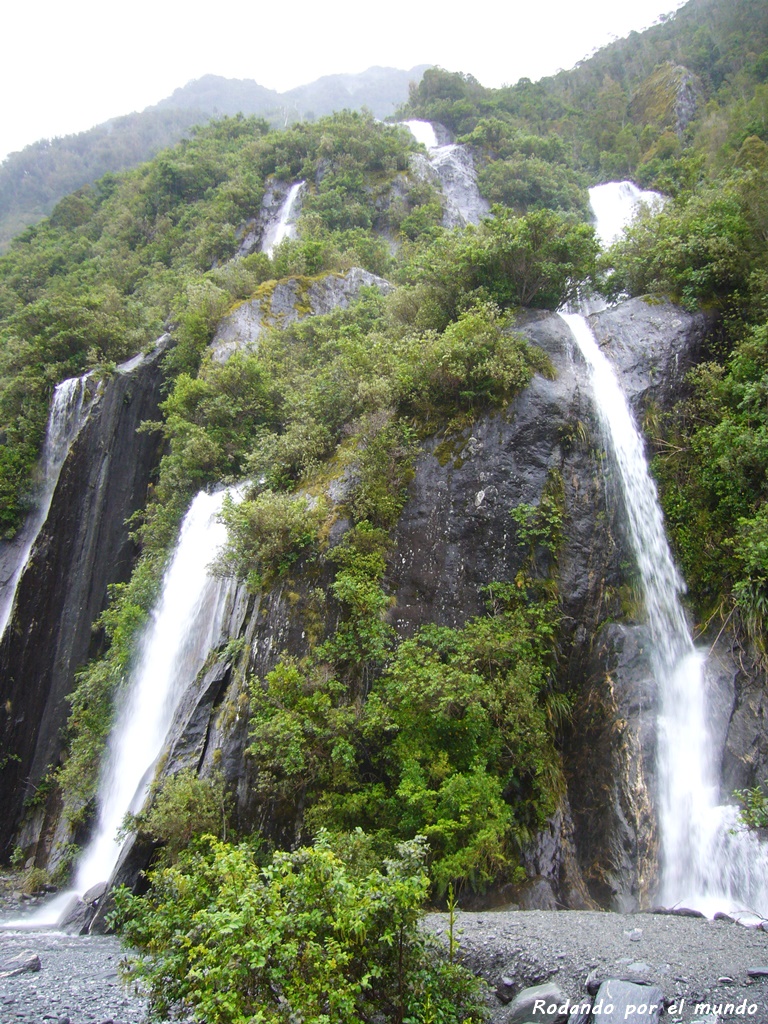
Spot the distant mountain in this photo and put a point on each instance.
(35, 179)
(219, 96)
(381, 90)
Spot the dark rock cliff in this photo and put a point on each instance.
(455, 535)
(83, 547)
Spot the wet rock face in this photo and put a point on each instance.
(611, 756)
(452, 167)
(288, 301)
(83, 547)
(454, 537)
(652, 344)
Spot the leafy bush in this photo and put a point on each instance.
(320, 934)
(183, 808)
(265, 535)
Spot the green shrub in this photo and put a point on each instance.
(183, 808)
(317, 935)
(266, 534)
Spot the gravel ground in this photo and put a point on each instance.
(78, 980)
(688, 958)
(691, 959)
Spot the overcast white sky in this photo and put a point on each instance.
(68, 66)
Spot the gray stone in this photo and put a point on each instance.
(536, 894)
(533, 1004)
(757, 972)
(285, 302)
(77, 918)
(94, 894)
(26, 962)
(631, 1003)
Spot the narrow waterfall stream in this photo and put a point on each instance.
(69, 410)
(454, 168)
(285, 225)
(707, 864)
(183, 627)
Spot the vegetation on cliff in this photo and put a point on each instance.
(450, 735)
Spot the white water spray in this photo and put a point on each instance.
(423, 132)
(615, 205)
(69, 410)
(285, 225)
(707, 864)
(185, 624)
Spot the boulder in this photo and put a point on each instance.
(25, 962)
(536, 1004)
(628, 1002)
(277, 304)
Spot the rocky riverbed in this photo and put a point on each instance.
(689, 960)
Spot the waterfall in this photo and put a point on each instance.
(69, 411)
(707, 863)
(285, 225)
(454, 168)
(423, 132)
(615, 205)
(185, 624)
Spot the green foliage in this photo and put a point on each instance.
(183, 808)
(527, 183)
(542, 525)
(539, 259)
(754, 807)
(453, 739)
(714, 474)
(704, 248)
(266, 535)
(321, 934)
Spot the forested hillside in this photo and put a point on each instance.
(33, 180)
(682, 108)
(347, 714)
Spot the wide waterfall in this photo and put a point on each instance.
(707, 862)
(285, 225)
(71, 404)
(454, 168)
(185, 624)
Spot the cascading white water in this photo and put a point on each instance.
(455, 169)
(184, 625)
(285, 225)
(707, 863)
(615, 205)
(423, 132)
(69, 410)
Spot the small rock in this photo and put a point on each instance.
(725, 980)
(505, 990)
(23, 963)
(521, 1010)
(720, 916)
(757, 972)
(632, 1004)
(64, 1020)
(635, 935)
(681, 912)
